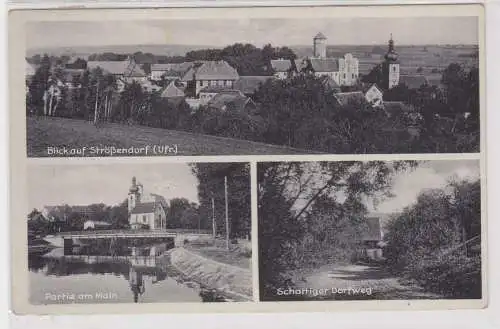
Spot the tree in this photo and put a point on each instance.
(39, 84)
(211, 185)
(118, 215)
(432, 241)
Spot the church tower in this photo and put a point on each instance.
(391, 67)
(319, 46)
(134, 195)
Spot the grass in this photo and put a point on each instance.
(44, 132)
(234, 258)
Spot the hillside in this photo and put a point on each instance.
(47, 132)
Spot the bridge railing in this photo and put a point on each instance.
(134, 232)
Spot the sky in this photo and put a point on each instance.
(279, 32)
(433, 174)
(107, 183)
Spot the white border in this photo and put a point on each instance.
(487, 318)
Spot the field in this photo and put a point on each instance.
(45, 132)
(429, 58)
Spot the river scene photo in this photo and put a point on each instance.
(132, 275)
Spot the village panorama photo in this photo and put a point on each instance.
(139, 233)
(259, 86)
(376, 230)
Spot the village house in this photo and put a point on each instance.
(127, 71)
(214, 73)
(232, 100)
(146, 210)
(355, 98)
(248, 85)
(374, 95)
(372, 239)
(282, 68)
(173, 90)
(207, 93)
(169, 71)
(95, 225)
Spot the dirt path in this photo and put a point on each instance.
(353, 281)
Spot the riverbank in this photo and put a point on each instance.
(232, 281)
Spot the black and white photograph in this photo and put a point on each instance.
(139, 233)
(374, 230)
(253, 86)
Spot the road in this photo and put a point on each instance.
(354, 281)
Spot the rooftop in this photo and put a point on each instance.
(250, 84)
(281, 65)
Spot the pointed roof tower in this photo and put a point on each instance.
(320, 36)
(391, 55)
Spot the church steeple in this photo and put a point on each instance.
(391, 55)
(391, 67)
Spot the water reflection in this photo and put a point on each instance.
(149, 275)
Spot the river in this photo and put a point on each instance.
(135, 276)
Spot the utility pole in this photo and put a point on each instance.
(213, 218)
(227, 213)
(96, 99)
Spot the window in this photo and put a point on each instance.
(344, 75)
(144, 220)
(394, 68)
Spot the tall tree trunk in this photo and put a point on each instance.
(45, 95)
(50, 104)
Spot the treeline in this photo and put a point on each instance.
(437, 241)
(247, 59)
(69, 218)
(212, 197)
(303, 223)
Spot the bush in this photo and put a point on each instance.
(455, 276)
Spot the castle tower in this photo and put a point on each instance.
(134, 195)
(391, 67)
(319, 46)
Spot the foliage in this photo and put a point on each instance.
(429, 241)
(183, 214)
(211, 186)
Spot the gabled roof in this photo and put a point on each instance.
(171, 90)
(134, 70)
(177, 67)
(324, 64)
(216, 70)
(352, 97)
(281, 65)
(369, 86)
(330, 83)
(374, 230)
(250, 84)
(111, 67)
(320, 36)
(413, 81)
(301, 63)
(222, 100)
(144, 208)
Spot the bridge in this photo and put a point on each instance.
(108, 234)
(179, 236)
